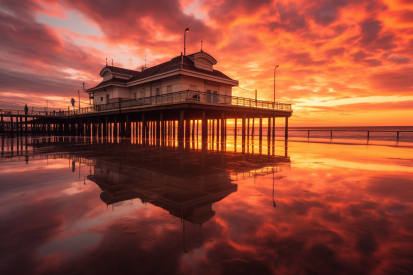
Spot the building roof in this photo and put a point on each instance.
(113, 80)
(121, 70)
(175, 63)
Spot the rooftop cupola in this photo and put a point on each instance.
(110, 72)
(203, 61)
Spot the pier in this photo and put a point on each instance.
(182, 115)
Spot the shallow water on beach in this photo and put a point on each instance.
(81, 206)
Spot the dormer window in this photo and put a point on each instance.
(203, 61)
(107, 76)
(112, 72)
(204, 64)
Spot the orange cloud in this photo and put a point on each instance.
(326, 49)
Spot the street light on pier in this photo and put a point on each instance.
(186, 30)
(274, 79)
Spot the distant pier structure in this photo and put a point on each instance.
(181, 98)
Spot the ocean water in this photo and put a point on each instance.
(77, 205)
(385, 135)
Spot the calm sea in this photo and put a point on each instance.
(76, 205)
(348, 134)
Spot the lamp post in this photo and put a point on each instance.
(186, 30)
(274, 80)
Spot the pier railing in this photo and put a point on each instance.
(187, 96)
(183, 97)
(29, 112)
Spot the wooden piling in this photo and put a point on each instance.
(181, 125)
(273, 128)
(286, 128)
(243, 128)
(204, 127)
(253, 128)
(222, 126)
(187, 129)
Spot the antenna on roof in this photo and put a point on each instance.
(182, 60)
(112, 62)
(106, 61)
(201, 45)
(144, 68)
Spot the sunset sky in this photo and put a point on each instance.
(342, 62)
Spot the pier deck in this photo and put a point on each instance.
(155, 116)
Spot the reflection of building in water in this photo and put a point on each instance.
(184, 181)
(190, 198)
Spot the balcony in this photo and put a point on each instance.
(188, 96)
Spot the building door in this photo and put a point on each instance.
(107, 98)
(212, 93)
(209, 96)
(215, 97)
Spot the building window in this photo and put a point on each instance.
(157, 91)
(169, 89)
(142, 93)
(134, 95)
(101, 98)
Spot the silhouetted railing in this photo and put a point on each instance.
(355, 131)
(185, 97)
(29, 113)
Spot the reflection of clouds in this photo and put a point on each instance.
(72, 245)
(329, 222)
(330, 219)
(33, 166)
(75, 187)
(365, 166)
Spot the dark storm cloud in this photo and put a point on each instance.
(25, 39)
(37, 83)
(226, 11)
(335, 52)
(290, 17)
(327, 12)
(397, 81)
(399, 59)
(305, 59)
(406, 16)
(370, 30)
(372, 62)
(137, 22)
